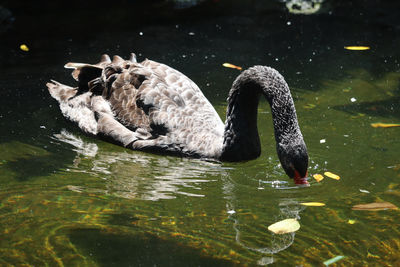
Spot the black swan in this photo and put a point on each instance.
(153, 107)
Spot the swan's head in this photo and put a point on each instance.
(294, 160)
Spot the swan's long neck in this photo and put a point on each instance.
(241, 140)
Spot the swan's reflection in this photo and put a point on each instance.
(130, 174)
(257, 237)
(136, 175)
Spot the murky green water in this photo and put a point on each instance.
(69, 199)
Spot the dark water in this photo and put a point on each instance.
(69, 199)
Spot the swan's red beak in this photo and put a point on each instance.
(299, 180)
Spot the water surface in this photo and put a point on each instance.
(71, 199)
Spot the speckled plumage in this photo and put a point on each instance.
(150, 106)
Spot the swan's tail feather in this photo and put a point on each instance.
(84, 73)
(60, 92)
(133, 58)
(76, 102)
(105, 59)
(74, 65)
(74, 107)
(117, 60)
(81, 67)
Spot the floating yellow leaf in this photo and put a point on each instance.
(23, 210)
(312, 204)
(229, 65)
(332, 175)
(24, 47)
(232, 253)
(370, 255)
(310, 106)
(351, 221)
(384, 125)
(357, 48)
(168, 223)
(284, 226)
(318, 177)
(375, 206)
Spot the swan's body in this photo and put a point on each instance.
(150, 106)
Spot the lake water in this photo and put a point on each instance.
(74, 200)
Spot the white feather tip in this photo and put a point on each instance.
(72, 65)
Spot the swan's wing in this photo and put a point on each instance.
(178, 106)
(157, 103)
(152, 96)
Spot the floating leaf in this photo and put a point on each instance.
(333, 260)
(310, 106)
(318, 177)
(396, 167)
(350, 221)
(168, 223)
(370, 255)
(24, 47)
(357, 48)
(332, 175)
(312, 204)
(384, 125)
(375, 206)
(229, 65)
(284, 226)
